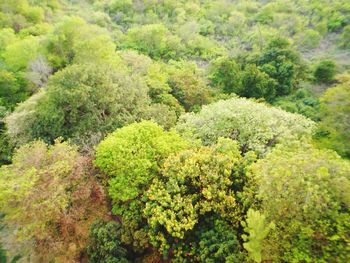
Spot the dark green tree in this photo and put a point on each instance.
(325, 71)
(226, 75)
(105, 244)
(283, 64)
(257, 84)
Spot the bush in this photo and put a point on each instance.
(105, 244)
(325, 71)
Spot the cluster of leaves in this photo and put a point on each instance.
(132, 156)
(193, 183)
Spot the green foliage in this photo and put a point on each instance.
(211, 240)
(345, 37)
(156, 77)
(218, 243)
(78, 70)
(75, 41)
(133, 155)
(309, 39)
(19, 14)
(225, 74)
(105, 245)
(257, 229)
(325, 71)
(304, 192)
(3, 255)
(255, 126)
(154, 40)
(257, 84)
(275, 71)
(334, 129)
(188, 86)
(302, 102)
(193, 183)
(18, 54)
(79, 101)
(283, 64)
(11, 92)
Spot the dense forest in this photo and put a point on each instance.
(174, 131)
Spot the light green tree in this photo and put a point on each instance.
(334, 129)
(257, 230)
(256, 126)
(133, 155)
(305, 192)
(154, 40)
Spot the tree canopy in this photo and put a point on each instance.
(254, 125)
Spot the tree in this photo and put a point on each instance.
(18, 54)
(257, 84)
(283, 64)
(188, 86)
(105, 245)
(11, 92)
(226, 75)
(325, 71)
(304, 191)
(213, 239)
(154, 40)
(334, 129)
(156, 76)
(50, 197)
(79, 101)
(192, 183)
(133, 156)
(75, 41)
(255, 126)
(302, 102)
(161, 114)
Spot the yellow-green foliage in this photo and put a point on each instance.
(257, 229)
(132, 157)
(305, 192)
(334, 128)
(192, 183)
